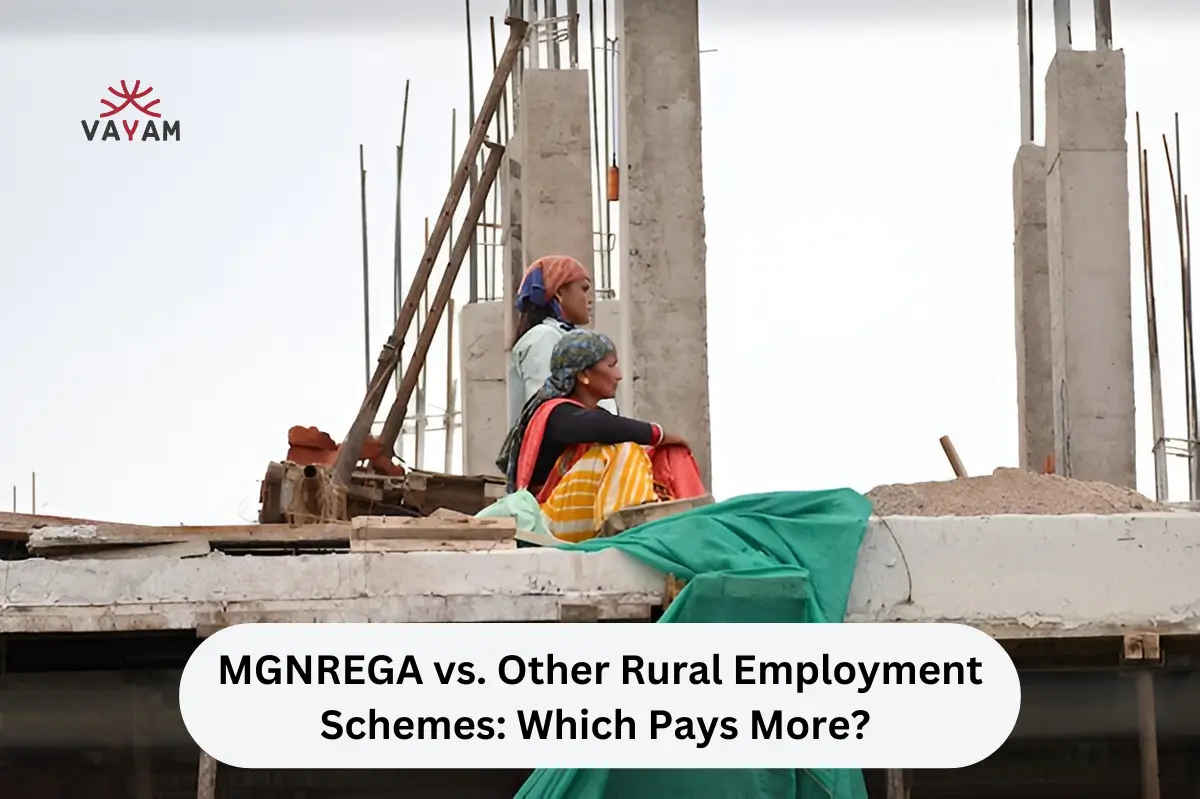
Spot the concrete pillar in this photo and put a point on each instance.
(664, 310)
(483, 354)
(1087, 230)
(551, 192)
(512, 259)
(1035, 400)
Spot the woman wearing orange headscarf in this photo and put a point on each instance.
(555, 297)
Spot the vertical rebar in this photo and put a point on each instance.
(1158, 423)
(1189, 320)
(362, 169)
(606, 227)
(515, 10)
(1062, 24)
(598, 159)
(473, 253)
(552, 34)
(535, 33)
(492, 236)
(1173, 171)
(397, 233)
(1025, 71)
(504, 99)
(448, 417)
(1102, 14)
(573, 33)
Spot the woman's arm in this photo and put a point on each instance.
(570, 424)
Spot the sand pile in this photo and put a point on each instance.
(1007, 491)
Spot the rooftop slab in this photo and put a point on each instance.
(1011, 576)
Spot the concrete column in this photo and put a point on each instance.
(552, 194)
(512, 259)
(664, 312)
(483, 353)
(1087, 231)
(1035, 400)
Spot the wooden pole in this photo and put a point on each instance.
(1148, 734)
(206, 777)
(389, 357)
(395, 417)
(952, 455)
(899, 783)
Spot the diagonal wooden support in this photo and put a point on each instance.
(389, 357)
(464, 242)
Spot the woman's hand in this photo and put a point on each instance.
(672, 440)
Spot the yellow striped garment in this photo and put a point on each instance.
(606, 479)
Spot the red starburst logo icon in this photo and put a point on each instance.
(130, 98)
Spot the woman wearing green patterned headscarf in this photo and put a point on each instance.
(581, 462)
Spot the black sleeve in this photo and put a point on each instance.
(570, 424)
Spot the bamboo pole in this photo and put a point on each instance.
(348, 453)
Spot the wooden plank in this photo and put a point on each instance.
(466, 528)
(180, 549)
(629, 518)
(427, 545)
(17, 526)
(82, 533)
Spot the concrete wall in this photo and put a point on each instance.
(664, 308)
(1087, 230)
(1011, 576)
(484, 340)
(1035, 400)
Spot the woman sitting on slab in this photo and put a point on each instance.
(583, 463)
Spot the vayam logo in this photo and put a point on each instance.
(136, 112)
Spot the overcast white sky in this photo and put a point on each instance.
(168, 310)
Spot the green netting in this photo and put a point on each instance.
(778, 557)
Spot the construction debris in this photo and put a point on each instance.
(1008, 492)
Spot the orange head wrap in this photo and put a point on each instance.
(554, 271)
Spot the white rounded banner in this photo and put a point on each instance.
(600, 696)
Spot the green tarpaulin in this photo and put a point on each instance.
(779, 557)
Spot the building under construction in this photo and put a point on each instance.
(1089, 587)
